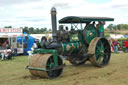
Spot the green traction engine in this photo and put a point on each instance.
(79, 44)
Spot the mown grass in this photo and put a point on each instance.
(13, 72)
(125, 32)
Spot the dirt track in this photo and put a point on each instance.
(116, 73)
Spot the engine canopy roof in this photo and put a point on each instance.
(83, 19)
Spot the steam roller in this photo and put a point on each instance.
(79, 41)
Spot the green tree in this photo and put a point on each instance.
(110, 26)
(25, 29)
(37, 30)
(50, 30)
(115, 27)
(8, 27)
(125, 26)
(119, 26)
(43, 30)
(31, 30)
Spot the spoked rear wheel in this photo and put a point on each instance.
(100, 48)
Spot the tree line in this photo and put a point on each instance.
(32, 30)
(117, 27)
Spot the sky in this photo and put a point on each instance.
(36, 13)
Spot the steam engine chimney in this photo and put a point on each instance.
(54, 24)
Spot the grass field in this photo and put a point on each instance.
(125, 32)
(13, 72)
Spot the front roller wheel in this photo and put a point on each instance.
(100, 49)
(45, 61)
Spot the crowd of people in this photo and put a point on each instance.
(7, 51)
(115, 45)
(7, 54)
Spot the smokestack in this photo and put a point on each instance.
(54, 24)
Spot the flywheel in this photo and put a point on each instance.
(89, 33)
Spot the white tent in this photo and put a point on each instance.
(116, 36)
(11, 34)
(39, 36)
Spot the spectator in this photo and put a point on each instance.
(14, 47)
(115, 46)
(10, 52)
(50, 40)
(3, 55)
(126, 45)
(35, 45)
(30, 52)
(43, 42)
(5, 43)
(100, 28)
(0, 44)
(111, 42)
(32, 49)
(6, 54)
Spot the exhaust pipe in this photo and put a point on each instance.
(54, 24)
(54, 44)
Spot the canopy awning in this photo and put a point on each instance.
(10, 35)
(83, 19)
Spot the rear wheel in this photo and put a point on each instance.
(100, 49)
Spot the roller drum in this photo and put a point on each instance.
(44, 61)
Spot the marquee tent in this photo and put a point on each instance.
(28, 42)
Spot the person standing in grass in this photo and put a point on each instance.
(126, 45)
(30, 52)
(111, 43)
(115, 45)
(14, 46)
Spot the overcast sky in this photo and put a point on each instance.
(36, 13)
